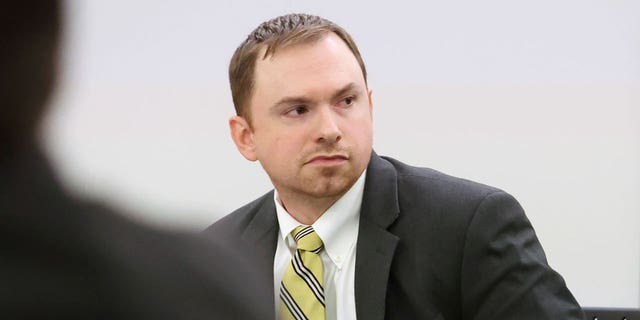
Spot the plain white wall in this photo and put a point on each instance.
(540, 98)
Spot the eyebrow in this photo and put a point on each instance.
(304, 100)
(349, 87)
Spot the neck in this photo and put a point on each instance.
(306, 209)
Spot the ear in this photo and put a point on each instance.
(369, 93)
(242, 136)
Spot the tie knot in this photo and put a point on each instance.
(307, 239)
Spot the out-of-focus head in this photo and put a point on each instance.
(271, 36)
(29, 37)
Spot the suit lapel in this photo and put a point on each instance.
(261, 233)
(375, 248)
(376, 245)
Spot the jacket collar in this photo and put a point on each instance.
(376, 246)
(261, 234)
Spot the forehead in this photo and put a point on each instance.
(325, 61)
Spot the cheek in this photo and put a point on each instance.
(281, 148)
(364, 129)
(362, 139)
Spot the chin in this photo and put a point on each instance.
(331, 188)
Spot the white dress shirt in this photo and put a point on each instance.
(338, 229)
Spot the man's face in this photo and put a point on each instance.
(311, 119)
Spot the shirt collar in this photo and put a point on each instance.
(337, 227)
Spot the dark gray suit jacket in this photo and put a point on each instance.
(431, 246)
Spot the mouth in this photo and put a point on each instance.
(328, 160)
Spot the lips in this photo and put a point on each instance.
(328, 159)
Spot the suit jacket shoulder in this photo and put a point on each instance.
(241, 217)
(254, 228)
(456, 249)
(439, 184)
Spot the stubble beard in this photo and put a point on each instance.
(328, 183)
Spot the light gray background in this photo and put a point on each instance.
(540, 98)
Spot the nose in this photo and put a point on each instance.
(328, 128)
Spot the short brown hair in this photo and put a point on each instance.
(277, 33)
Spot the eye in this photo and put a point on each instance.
(298, 110)
(347, 102)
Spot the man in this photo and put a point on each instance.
(64, 259)
(347, 233)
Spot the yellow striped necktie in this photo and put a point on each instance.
(302, 289)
